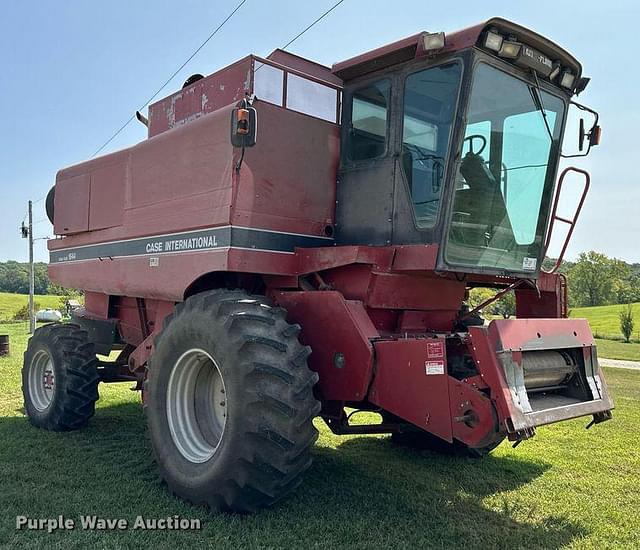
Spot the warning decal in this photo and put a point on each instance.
(434, 367)
(435, 350)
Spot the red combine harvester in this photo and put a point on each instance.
(294, 241)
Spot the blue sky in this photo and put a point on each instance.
(73, 71)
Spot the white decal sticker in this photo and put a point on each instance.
(434, 367)
(435, 350)
(529, 264)
(154, 261)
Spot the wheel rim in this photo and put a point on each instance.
(41, 380)
(196, 405)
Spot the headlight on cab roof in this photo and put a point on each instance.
(510, 50)
(567, 80)
(522, 55)
(433, 41)
(493, 40)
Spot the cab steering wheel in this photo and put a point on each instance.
(471, 138)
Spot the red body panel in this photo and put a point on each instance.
(177, 181)
(412, 382)
(465, 399)
(532, 334)
(222, 88)
(169, 181)
(72, 204)
(334, 326)
(274, 191)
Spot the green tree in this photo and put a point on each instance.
(629, 289)
(23, 313)
(13, 278)
(626, 322)
(596, 279)
(479, 295)
(504, 307)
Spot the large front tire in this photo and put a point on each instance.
(229, 401)
(60, 378)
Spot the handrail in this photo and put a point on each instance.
(571, 222)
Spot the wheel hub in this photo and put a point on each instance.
(196, 405)
(41, 380)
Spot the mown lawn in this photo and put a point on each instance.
(615, 349)
(605, 320)
(10, 303)
(566, 488)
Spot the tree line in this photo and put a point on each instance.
(14, 277)
(594, 279)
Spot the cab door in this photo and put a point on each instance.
(365, 188)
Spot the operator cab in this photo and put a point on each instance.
(455, 141)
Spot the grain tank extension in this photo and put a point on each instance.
(294, 241)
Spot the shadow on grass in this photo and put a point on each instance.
(363, 492)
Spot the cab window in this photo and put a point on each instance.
(369, 116)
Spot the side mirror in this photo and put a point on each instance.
(579, 118)
(244, 127)
(592, 135)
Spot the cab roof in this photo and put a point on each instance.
(412, 48)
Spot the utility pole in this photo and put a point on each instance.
(32, 319)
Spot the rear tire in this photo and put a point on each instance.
(229, 402)
(425, 441)
(60, 378)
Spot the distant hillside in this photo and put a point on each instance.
(605, 320)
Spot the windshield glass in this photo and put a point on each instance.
(427, 123)
(504, 177)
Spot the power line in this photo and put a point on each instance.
(306, 29)
(133, 116)
(312, 24)
(173, 75)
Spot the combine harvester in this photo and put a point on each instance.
(293, 241)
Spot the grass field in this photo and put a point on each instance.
(10, 303)
(566, 488)
(614, 349)
(605, 324)
(605, 320)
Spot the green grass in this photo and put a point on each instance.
(614, 349)
(605, 320)
(566, 488)
(605, 324)
(10, 303)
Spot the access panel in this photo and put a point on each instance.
(71, 204)
(411, 382)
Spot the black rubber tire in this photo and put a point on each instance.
(268, 434)
(428, 442)
(49, 204)
(76, 377)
